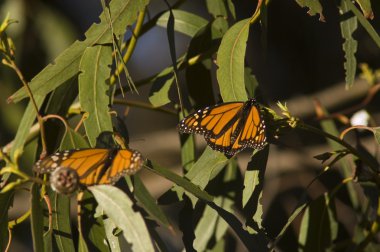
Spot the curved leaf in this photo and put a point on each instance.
(350, 45)
(66, 65)
(93, 98)
(119, 208)
(230, 60)
(184, 22)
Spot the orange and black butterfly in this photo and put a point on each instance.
(228, 127)
(88, 167)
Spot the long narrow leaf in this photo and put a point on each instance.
(66, 65)
(95, 70)
(230, 60)
(119, 209)
(348, 26)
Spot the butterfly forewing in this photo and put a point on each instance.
(212, 121)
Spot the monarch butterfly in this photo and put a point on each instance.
(88, 167)
(228, 127)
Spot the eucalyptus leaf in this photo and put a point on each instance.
(314, 7)
(36, 218)
(66, 65)
(184, 22)
(95, 71)
(366, 7)
(119, 208)
(230, 61)
(350, 45)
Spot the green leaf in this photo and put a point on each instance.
(159, 94)
(25, 125)
(36, 218)
(210, 163)
(314, 7)
(61, 221)
(113, 240)
(184, 22)
(251, 82)
(211, 224)
(366, 7)
(350, 45)
(73, 140)
(119, 208)
(252, 192)
(319, 227)
(364, 22)
(93, 231)
(178, 180)
(231, 8)
(295, 214)
(217, 8)
(146, 200)
(93, 97)
(230, 61)
(66, 65)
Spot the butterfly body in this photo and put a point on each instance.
(93, 166)
(228, 127)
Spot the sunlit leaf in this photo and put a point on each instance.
(348, 25)
(36, 218)
(66, 65)
(184, 22)
(314, 7)
(119, 208)
(366, 7)
(230, 61)
(95, 70)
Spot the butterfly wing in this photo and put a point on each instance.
(94, 166)
(126, 162)
(212, 122)
(252, 133)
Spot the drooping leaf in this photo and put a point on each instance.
(25, 125)
(184, 22)
(252, 192)
(295, 214)
(36, 219)
(209, 162)
(180, 181)
(230, 61)
(113, 240)
(348, 26)
(365, 23)
(119, 208)
(366, 7)
(66, 65)
(207, 225)
(73, 140)
(314, 7)
(62, 235)
(95, 70)
(319, 227)
(146, 200)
